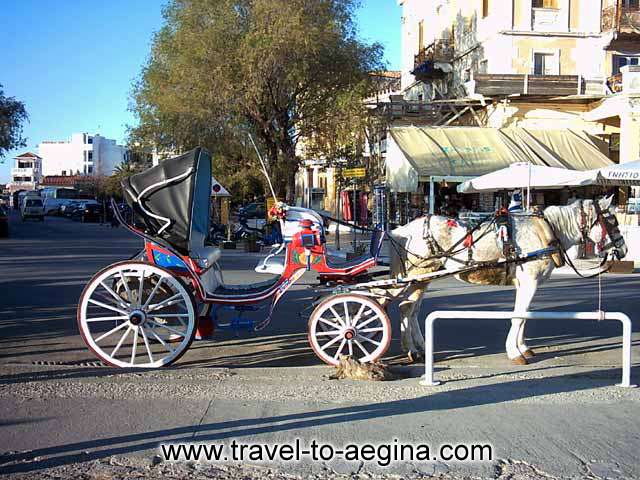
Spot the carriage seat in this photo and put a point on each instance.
(273, 265)
(206, 256)
(374, 250)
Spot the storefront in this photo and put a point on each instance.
(424, 165)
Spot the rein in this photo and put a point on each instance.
(440, 252)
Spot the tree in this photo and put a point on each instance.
(219, 69)
(12, 116)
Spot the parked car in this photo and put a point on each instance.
(253, 210)
(90, 212)
(32, 207)
(4, 221)
(67, 208)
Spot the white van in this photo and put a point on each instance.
(32, 207)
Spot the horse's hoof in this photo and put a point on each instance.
(519, 360)
(528, 353)
(414, 357)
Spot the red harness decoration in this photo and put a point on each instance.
(451, 223)
(468, 241)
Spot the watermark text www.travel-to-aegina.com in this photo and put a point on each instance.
(382, 454)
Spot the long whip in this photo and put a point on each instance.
(264, 168)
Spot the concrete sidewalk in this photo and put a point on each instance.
(568, 422)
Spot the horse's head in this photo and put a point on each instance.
(600, 225)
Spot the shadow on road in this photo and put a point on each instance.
(250, 427)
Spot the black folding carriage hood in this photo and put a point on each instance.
(171, 201)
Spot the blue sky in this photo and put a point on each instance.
(72, 62)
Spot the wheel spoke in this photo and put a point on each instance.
(357, 317)
(126, 287)
(178, 316)
(113, 330)
(335, 356)
(108, 307)
(103, 319)
(351, 348)
(323, 320)
(329, 343)
(153, 292)
(328, 332)
(135, 345)
(338, 317)
(146, 344)
(140, 287)
(371, 319)
(114, 295)
(374, 329)
(115, 350)
(346, 313)
(165, 303)
(367, 339)
(364, 350)
(177, 332)
(157, 337)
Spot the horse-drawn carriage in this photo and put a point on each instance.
(144, 312)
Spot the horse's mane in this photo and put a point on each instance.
(565, 222)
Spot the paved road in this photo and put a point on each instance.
(557, 414)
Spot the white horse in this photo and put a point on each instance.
(416, 248)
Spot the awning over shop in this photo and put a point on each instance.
(416, 153)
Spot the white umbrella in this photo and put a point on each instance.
(526, 175)
(619, 174)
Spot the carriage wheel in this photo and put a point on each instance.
(348, 324)
(129, 311)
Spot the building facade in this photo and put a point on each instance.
(82, 154)
(26, 172)
(563, 64)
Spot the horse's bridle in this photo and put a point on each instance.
(609, 223)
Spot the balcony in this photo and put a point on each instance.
(22, 172)
(623, 19)
(440, 51)
(547, 20)
(509, 84)
(425, 112)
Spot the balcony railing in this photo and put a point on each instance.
(623, 19)
(439, 51)
(512, 84)
(22, 171)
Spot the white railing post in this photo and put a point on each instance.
(493, 315)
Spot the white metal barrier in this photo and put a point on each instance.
(492, 315)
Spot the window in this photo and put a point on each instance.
(543, 63)
(90, 169)
(421, 35)
(90, 156)
(90, 140)
(484, 66)
(545, 4)
(467, 75)
(485, 8)
(64, 173)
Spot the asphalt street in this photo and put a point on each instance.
(58, 408)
